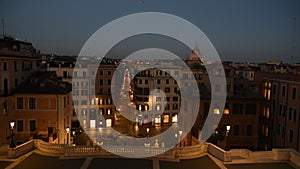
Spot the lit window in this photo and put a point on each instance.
(216, 111)
(174, 118)
(226, 111)
(158, 119)
(158, 107)
(166, 118)
(108, 122)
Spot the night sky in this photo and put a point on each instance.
(240, 30)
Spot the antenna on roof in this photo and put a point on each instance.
(2, 27)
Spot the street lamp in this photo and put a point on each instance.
(12, 144)
(68, 130)
(147, 131)
(180, 133)
(226, 138)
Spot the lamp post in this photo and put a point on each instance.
(68, 130)
(180, 133)
(226, 138)
(147, 130)
(12, 144)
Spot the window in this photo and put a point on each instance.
(167, 107)
(109, 82)
(283, 91)
(146, 81)
(175, 89)
(291, 135)
(109, 73)
(75, 92)
(158, 108)
(83, 112)
(4, 66)
(158, 99)
(101, 111)
(65, 102)
(282, 110)
(292, 115)
(84, 92)
(249, 130)
(32, 103)
(32, 125)
(237, 108)
(83, 102)
(282, 131)
(236, 130)
(167, 81)
(175, 106)
(65, 74)
(75, 74)
(15, 66)
(101, 82)
(250, 108)
(158, 81)
(100, 101)
(108, 111)
(294, 93)
(84, 74)
(20, 104)
(101, 72)
(166, 118)
(174, 118)
(75, 102)
(20, 125)
(167, 90)
(175, 98)
(108, 101)
(274, 89)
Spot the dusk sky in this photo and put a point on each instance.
(240, 30)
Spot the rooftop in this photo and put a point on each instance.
(43, 83)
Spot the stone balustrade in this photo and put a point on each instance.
(21, 149)
(218, 152)
(191, 151)
(159, 152)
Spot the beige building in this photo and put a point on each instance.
(42, 108)
(18, 59)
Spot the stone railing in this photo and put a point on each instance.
(219, 153)
(176, 153)
(276, 155)
(55, 149)
(73, 151)
(21, 149)
(191, 151)
(295, 157)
